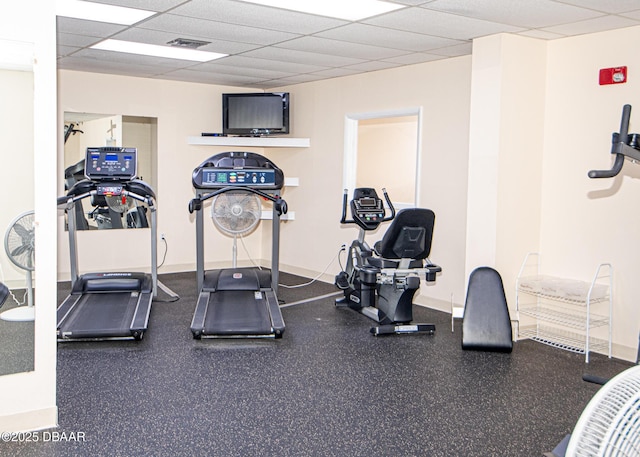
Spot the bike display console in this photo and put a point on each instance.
(367, 209)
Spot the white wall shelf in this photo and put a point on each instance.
(267, 215)
(256, 142)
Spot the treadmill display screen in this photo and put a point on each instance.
(111, 163)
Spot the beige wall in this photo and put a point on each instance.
(539, 123)
(587, 221)
(505, 154)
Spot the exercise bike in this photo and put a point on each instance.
(380, 282)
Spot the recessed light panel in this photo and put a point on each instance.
(79, 9)
(155, 50)
(351, 10)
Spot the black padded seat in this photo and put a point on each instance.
(486, 325)
(386, 263)
(409, 235)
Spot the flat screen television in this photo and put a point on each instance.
(255, 114)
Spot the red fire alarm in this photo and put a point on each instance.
(616, 75)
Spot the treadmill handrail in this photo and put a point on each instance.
(70, 200)
(280, 204)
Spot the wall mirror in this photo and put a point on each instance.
(82, 130)
(17, 267)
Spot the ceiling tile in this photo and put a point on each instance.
(593, 25)
(210, 78)
(412, 2)
(607, 6)
(229, 70)
(632, 14)
(302, 78)
(252, 15)
(89, 28)
(454, 51)
(79, 41)
(372, 65)
(211, 30)
(437, 23)
(525, 13)
(98, 66)
(336, 72)
(389, 38)
(340, 48)
(149, 5)
(250, 62)
(541, 34)
(414, 58)
(303, 57)
(124, 58)
(65, 50)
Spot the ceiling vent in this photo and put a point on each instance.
(187, 43)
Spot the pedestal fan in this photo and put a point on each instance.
(19, 244)
(610, 424)
(236, 213)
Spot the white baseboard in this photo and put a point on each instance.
(30, 420)
(326, 277)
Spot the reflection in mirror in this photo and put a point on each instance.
(368, 139)
(83, 130)
(378, 136)
(16, 222)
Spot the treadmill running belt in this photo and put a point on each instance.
(103, 314)
(237, 312)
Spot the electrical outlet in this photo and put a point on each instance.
(162, 236)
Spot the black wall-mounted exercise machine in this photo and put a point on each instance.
(380, 282)
(113, 305)
(624, 145)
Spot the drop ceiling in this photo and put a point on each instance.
(269, 47)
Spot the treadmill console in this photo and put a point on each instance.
(109, 189)
(214, 177)
(111, 163)
(367, 209)
(238, 169)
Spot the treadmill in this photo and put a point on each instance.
(237, 302)
(107, 306)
